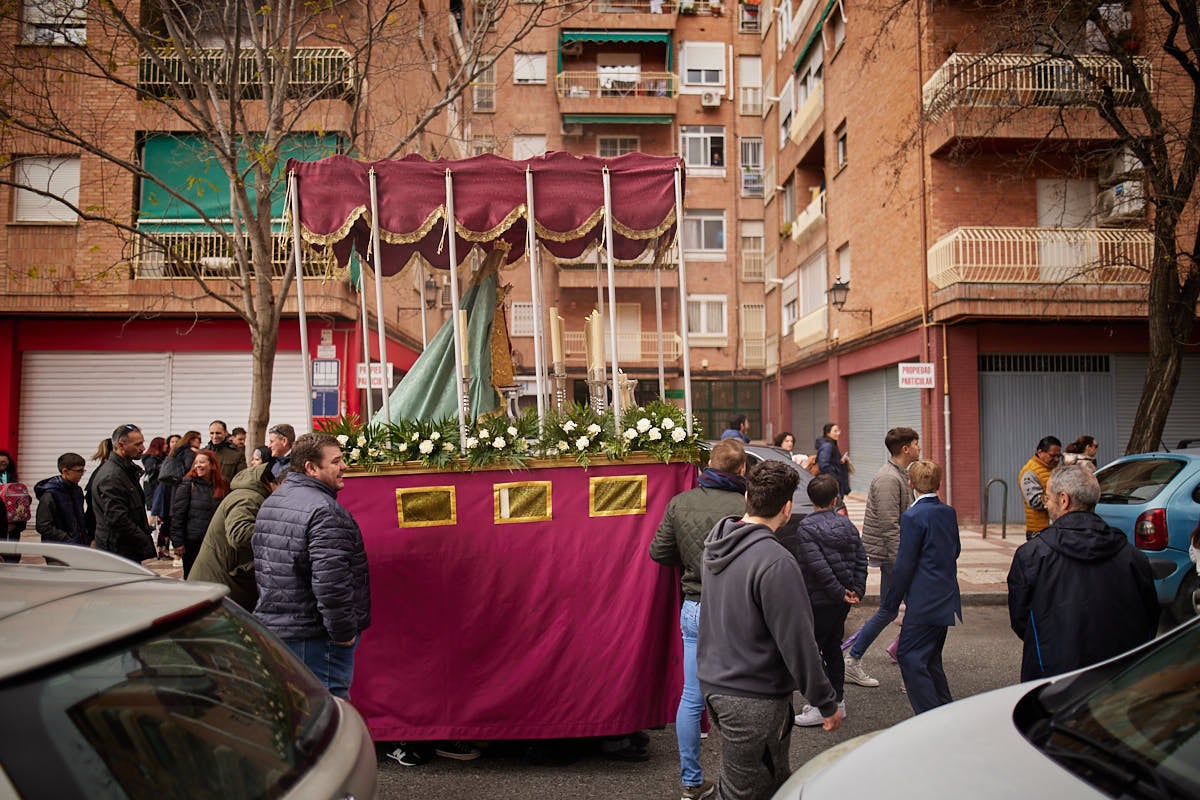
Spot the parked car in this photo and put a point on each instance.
(1123, 728)
(1155, 499)
(118, 683)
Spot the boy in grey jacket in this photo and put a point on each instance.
(756, 642)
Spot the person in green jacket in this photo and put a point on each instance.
(226, 557)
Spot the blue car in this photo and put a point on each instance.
(1155, 499)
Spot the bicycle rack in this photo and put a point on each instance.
(1003, 507)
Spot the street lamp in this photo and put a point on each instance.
(837, 297)
(431, 292)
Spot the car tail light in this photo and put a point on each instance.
(1150, 530)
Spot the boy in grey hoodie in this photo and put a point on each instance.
(756, 643)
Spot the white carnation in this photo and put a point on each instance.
(426, 447)
(361, 441)
(343, 439)
(354, 454)
(435, 436)
(402, 447)
(499, 443)
(472, 442)
(630, 434)
(582, 443)
(415, 436)
(512, 431)
(569, 425)
(668, 423)
(678, 435)
(655, 434)
(448, 446)
(643, 425)
(593, 429)
(562, 446)
(373, 452)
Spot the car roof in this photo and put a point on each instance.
(52, 612)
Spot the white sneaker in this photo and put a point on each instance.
(810, 716)
(856, 674)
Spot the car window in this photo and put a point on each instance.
(212, 707)
(1137, 481)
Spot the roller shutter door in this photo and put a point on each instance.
(877, 404)
(1182, 423)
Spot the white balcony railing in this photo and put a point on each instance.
(770, 268)
(633, 7)
(809, 113)
(315, 72)
(752, 265)
(750, 99)
(752, 182)
(1041, 255)
(813, 327)
(208, 255)
(813, 213)
(633, 346)
(1015, 80)
(576, 84)
(754, 352)
(772, 354)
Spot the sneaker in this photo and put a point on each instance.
(856, 674)
(705, 789)
(407, 756)
(810, 716)
(459, 751)
(892, 648)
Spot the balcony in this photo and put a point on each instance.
(1080, 272)
(813, 213)
(752, 182)
(622, 14)
(633, 347)
(642, 94)
(583, 276)
(809, 114)
(750, 101)
(753, 266)
(208, 255)
(317, 72)
(754, 352)
(813, 327)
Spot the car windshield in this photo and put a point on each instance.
(1135, 732)
(211, 707)
(1137, 481)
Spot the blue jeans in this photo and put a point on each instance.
(880, 619)
(333, 664)
(691, 703)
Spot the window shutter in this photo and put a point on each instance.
(58, 176)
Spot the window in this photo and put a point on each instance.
(702, 145)
(521, 320)
(783, 31)
(529, 68)
(485, 89)
(481, 144)
(703, 63)
(789, 200)
(528, 145)
(843, 257)
(55, 175)
(811, 74)
(840, 134)
(787, 105)
(55, 21)
(750, 84)
(751, 151)
(789, 299)
(704, 231)
(613, 146)
(706, 316)
(619, 73)
(838, 25)
(812, 284)
(754, 335)
(752, 249)
(747, 18)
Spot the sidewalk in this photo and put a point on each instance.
(982, 566)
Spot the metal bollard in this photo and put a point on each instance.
(1003, 507)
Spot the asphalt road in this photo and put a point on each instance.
(981, 654)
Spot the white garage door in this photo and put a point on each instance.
(72, 400)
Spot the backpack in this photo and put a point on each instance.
(16, 501)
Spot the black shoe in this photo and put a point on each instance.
(407, 755)
(627, 751)
(459, 751)
(640, 739)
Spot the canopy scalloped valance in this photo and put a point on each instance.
(489, 204)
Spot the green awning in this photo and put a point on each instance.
(812, 37)
(187, 164)
(617, 119)
(634, 37)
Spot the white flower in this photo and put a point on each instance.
(655, 434)
(643, 425)
(522, 444)
(593, 429)
(668, 423)
(354, 454)
(582, 443)
(415, 436)
(448, 446)
(499, 443)
(630, 434)
(472, 442)
(402, 447)
(426, 447)
(342, 439)
(678, 435)
(373, 452)
(562, 446)
(512, 431)
(484, 433)
(362, 441)
(569, 425)
(435, 436)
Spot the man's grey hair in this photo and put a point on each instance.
(1079, 484)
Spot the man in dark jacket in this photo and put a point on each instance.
(756, 639)
(679, 542)
(280, 439)
(232, 459)
(310, 565)
(1079, 592)
(225, 555)
(118, 501)
(60, 516)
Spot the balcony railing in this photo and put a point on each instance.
(752, 182)
(752, 265)
(754, 352)
(1014, 80)
(772, 354)
(596, 84)
(209, 255)
(636, 346)
(808, 114)
(750, 100)
(813, 327)
(813, 213)
(632, 7)
(315, 72)
(1041, 255)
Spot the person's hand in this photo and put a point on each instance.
(353, 639)
(852, 597)
(833, 722)
(845, 457)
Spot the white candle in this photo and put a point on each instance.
(556, 344)
(462, 328)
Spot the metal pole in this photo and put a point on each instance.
(612, 297)
(459, 334)
(424, 310)
(531, 252)
(296, 252)
(366, 335)
(383, 374)
(658, 322)
(683, 315)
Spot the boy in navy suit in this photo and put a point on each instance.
(925, 578)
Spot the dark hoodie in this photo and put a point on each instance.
(756, 630)
(1078, 594)
(60, 516)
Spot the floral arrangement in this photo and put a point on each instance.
(578, 433)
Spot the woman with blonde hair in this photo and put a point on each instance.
(194, 504)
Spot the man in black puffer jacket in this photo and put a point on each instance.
(310, 565)
(1079, 592)
(117, 499)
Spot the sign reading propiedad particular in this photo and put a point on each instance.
(916, 375)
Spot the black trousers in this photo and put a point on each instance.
(829, 627)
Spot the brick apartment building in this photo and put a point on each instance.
(806, 168)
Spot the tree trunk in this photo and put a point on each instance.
(263, 341)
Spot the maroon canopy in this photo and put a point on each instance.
(489, 204)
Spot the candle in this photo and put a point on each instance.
(556, 344)
(462, 328)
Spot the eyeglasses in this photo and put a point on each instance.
(275, 430)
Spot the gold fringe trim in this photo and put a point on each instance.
(328, 239)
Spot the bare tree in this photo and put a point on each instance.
(244, 81)
(1138, 70)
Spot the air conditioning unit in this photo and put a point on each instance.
(1123, 165)
(571, 129)
(710, 99)
(1125, 201)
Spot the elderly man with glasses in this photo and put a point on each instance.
(280, 439)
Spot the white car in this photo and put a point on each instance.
(117, 683)
(1127, 728)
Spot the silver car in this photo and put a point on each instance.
(117, 683)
